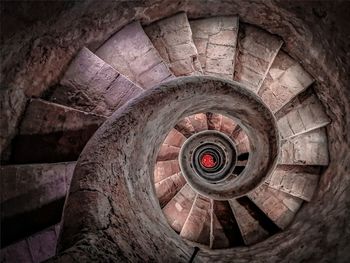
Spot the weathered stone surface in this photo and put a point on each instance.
(164, 169)
(185, 127)
(197, 225)
(241, 140)
(12, 106)
(278, 206)
(175, 138)
(131, 52)
(168, 152)
(214, 121)
(257, 50)
(199, 122)
(216, 39)
(168, 187)
(91, 85)
(178, 209)
(32, 197)
(294, 180)
(53, 133)
(303, 116)
(309, 148)
(285, 80)
(249, 226)
(43, 245)
(172, 37)
(227, 125)
(18, 252)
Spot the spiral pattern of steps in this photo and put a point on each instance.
(56, 127)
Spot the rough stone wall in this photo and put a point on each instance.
(315, 32)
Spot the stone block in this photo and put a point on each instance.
(164, 169)
(168, 187)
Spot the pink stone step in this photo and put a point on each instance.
(131, 53)
(285, 80)
(199, 122)
(90, 84)
(197, 225)
(53, 133)
(227, 125)
(168, 152)
(309, 148)
(172, 37)
(164, 169)
(168, 187)
(216, 39)
(295, 180)
(241, 140)
(251, 230)
(214, 121)
(185, 127)
(175, 138)
(177, 210)
(278, 206)
(304, 115)
(257, 50)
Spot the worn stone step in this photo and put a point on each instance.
(256, 52)
(168, 187)
(52, 133)
(309, 148)
(175, 138)
(185, 127)
(225, 232)
(172, 37)
(132, 53)
(285, 80)
(295, 180)
(164, 169)
(280, 207)
(304, 115)
(168, 152)
(198, 222)
(227, 125)
(214, 121)
(241, 140)
(32, 197)
(91, 85)
(199, 122)
(177, 210)
(216, 39)
(250, 228)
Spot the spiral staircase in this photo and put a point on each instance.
(55, 129)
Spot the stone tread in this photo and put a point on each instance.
(199, 122)
(216, 39)
(131, 52)
(257, 50)
(172, 37)
(185, 127)
(164, 169)
(241, 139)
(197, 225)
(309, 148)
(295, 181)
(214, 121)
(90, 84)
(251, 230)
(227, 125)
(168, 187)
(280, 207)
(168, 152)
(177, 210)
(303, 116)
(53, 132)
(29, 187)
(175, 138)
(285, 80)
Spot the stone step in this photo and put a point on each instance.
(91, 85)
(241, 140)
(304, 115)
(168, 187)
(53, 133)
(285, 80)
(280, 207)
(168, 152)
(225, 231)
(198, 222)
(164, 169)
(216, 39)
(309, 148)
(185, 127)
(32, 197)
(256, 52)
(227, 125)
(132, 53)
(214, 121)
(177, 210)
(172, 37)
(248, 223)
(199, 122)
(295, 180)
(175, 138)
